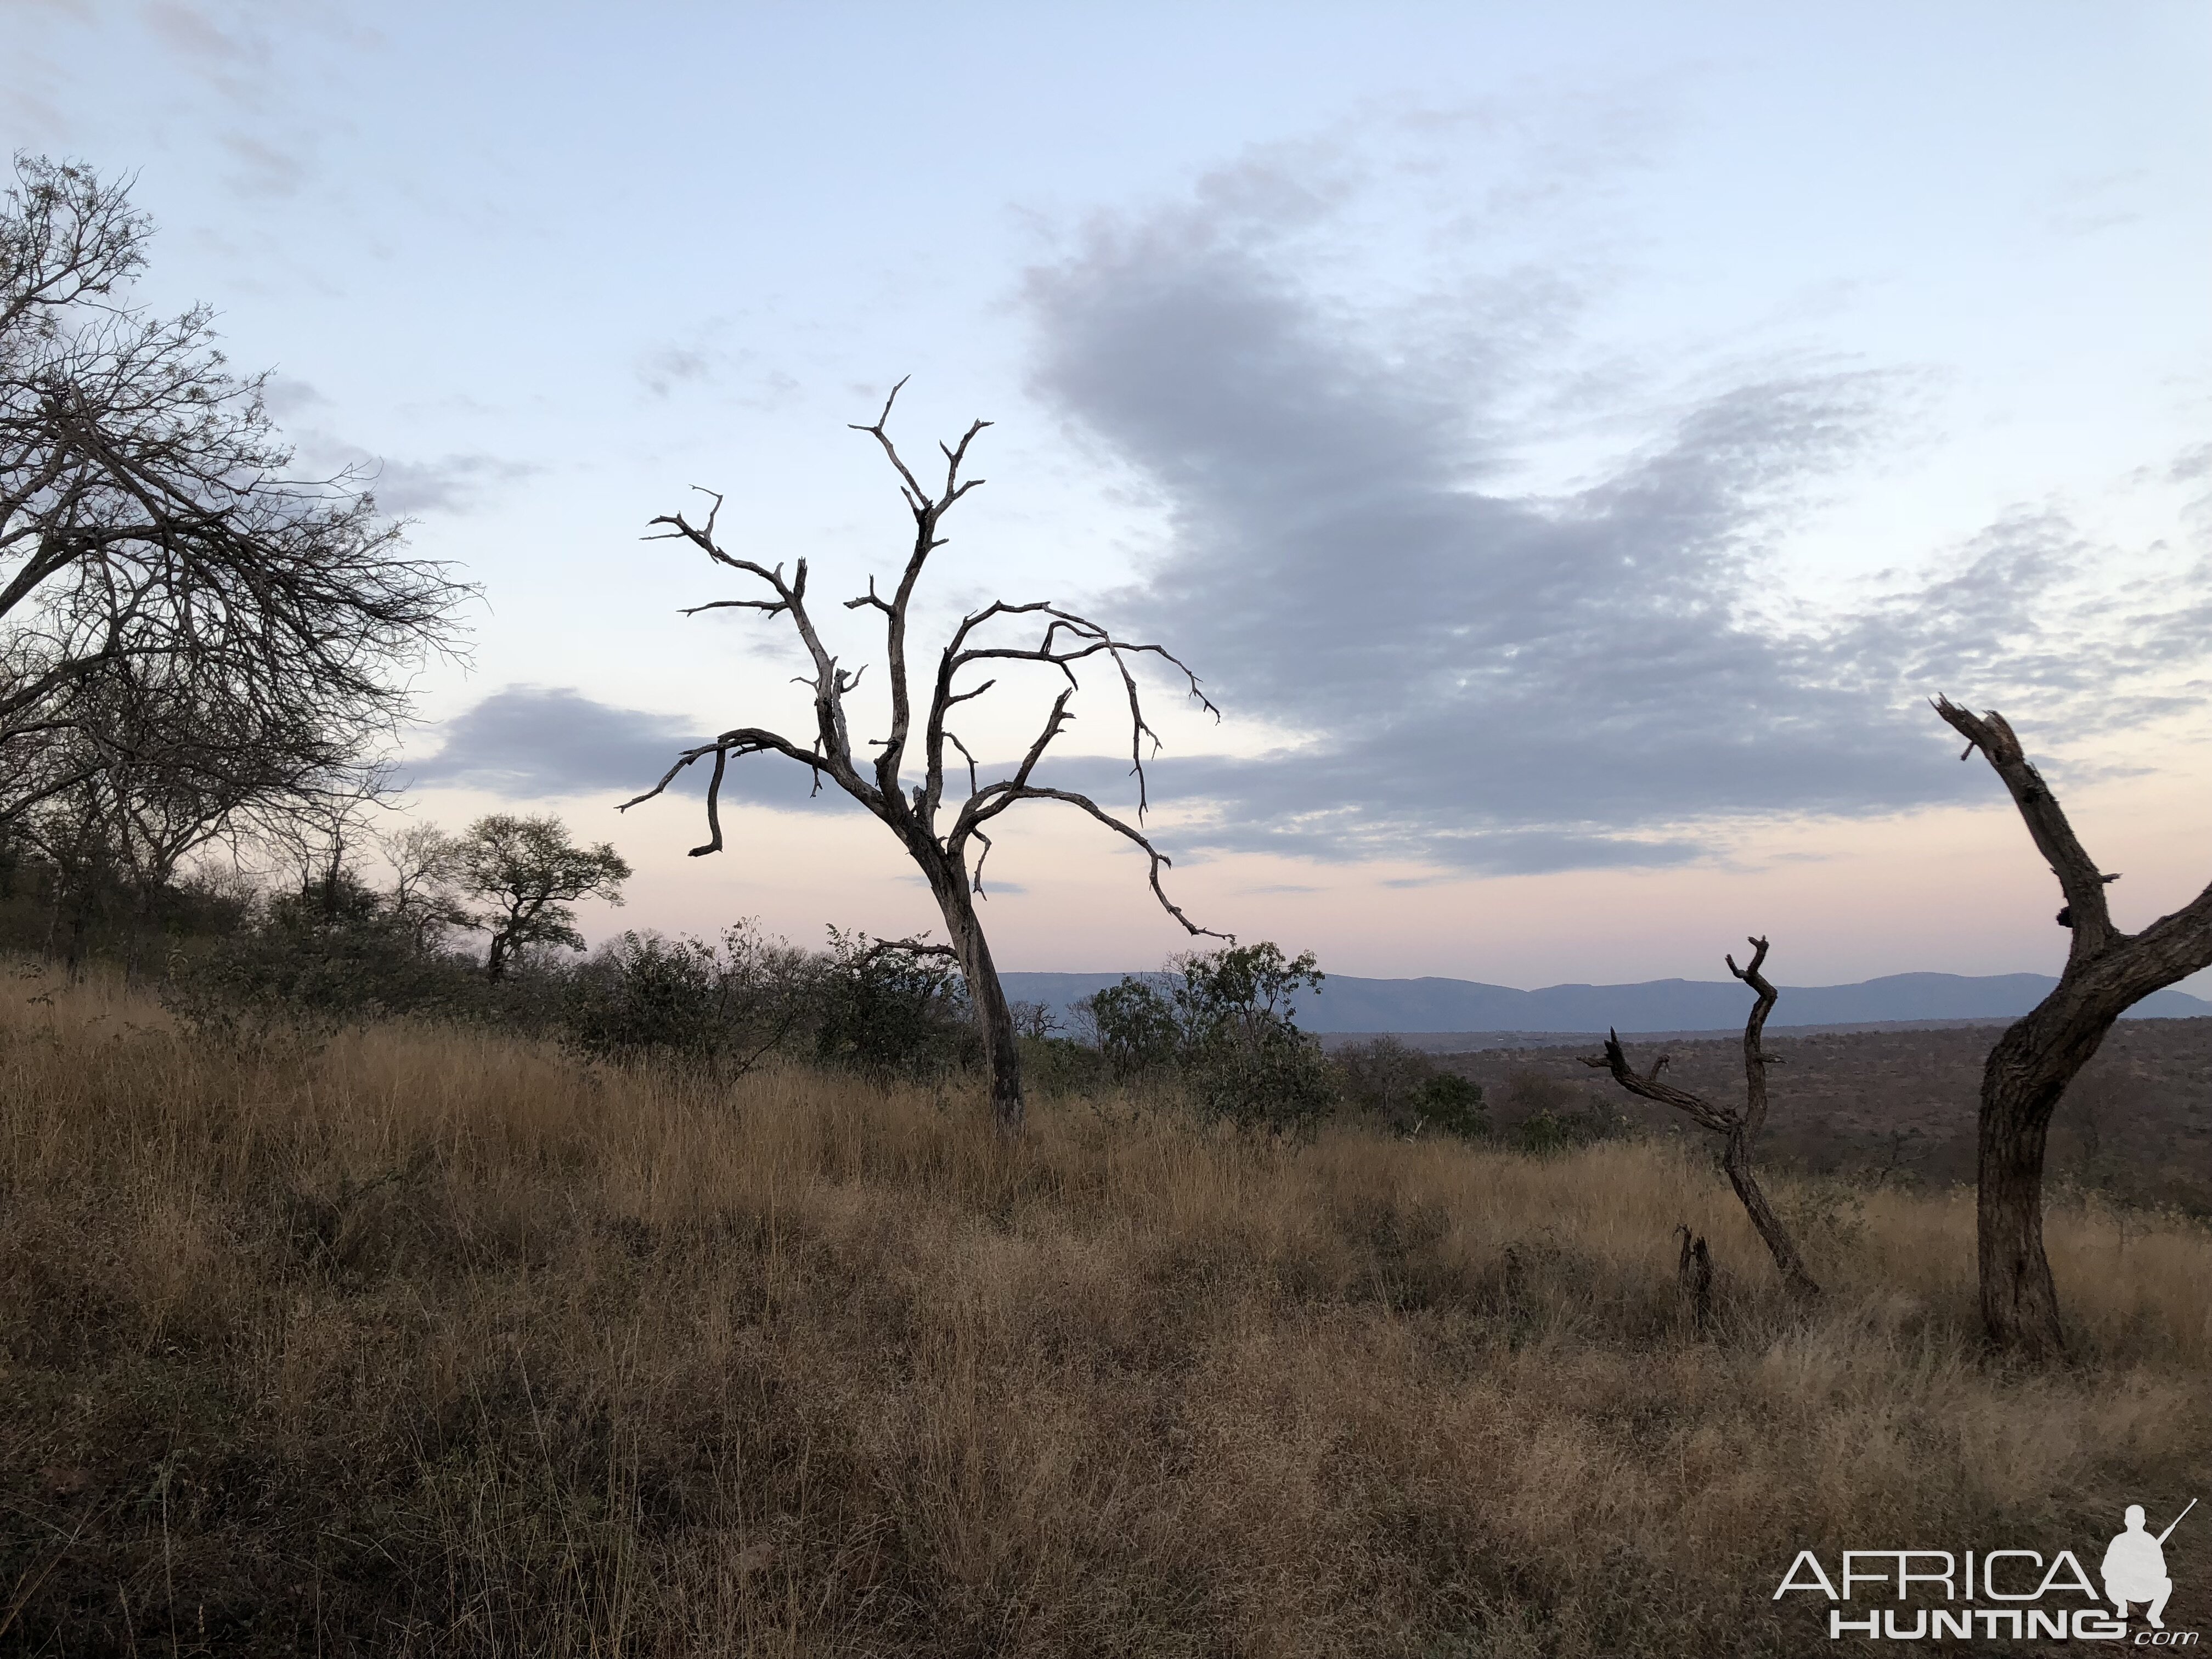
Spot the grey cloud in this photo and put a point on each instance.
(285, 396)
(536, 742)
(670, 366)
(232, 49)
(530, 742)
(1517, 682)
(704, 359)
(451, 484)
(196, 37)
(265, 169)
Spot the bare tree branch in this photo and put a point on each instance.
(2086, 911)
(1756, 1060)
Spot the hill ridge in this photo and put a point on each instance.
(1433, 1002)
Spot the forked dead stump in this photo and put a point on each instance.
(1740, 1125)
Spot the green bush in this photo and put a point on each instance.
(717, 1008)
(1052, 1066)
(1451, 1104)
(1245, 1059)
(892, 1008)
(1407, 1091)
(1550, 1115)
(1273, 1078)
(307, 964)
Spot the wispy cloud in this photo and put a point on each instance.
(704, 358)
(664, 368)
(451, 484)
(246, 54)
(454, 483)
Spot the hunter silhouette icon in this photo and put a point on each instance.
(2135, 1566)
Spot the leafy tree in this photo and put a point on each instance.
(516, 877)
(1240, 987)
(1134, 1026)
(1245, 1057)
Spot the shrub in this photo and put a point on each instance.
(306, 964)
(1451, 1105)
(1407, 1090)
(716, 1007)
(1270, 1078)
(892, 1008)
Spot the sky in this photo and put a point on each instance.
(1571, 443)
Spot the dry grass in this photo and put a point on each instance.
(432, 1343)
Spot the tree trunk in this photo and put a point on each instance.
(2022, 1083)
(1743, 1133)
(80, 925)
(2107, 972)
(1736, 1161)
(995, 1020)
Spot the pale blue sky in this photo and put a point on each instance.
(1558, 432)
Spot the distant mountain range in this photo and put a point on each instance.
(1348, 1004)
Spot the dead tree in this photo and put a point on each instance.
(950, 855)
(2106, 973)
(1740, 1126)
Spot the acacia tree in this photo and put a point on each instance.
(526, 873)
(153, 544)
(947, 841)
(2106, 973)
(1740, 1126)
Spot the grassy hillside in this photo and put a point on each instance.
(434, 1343)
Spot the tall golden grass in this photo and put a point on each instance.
(433, 1342)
